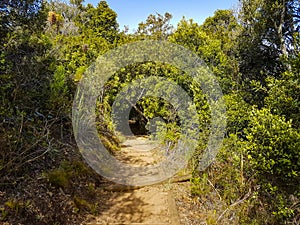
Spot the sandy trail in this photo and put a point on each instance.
(148, 205)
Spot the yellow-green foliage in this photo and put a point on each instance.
(212, 218)
(110, 146)
(59, 178)
(200, 185)
(14, 207)
(62, 176)
(82, 204)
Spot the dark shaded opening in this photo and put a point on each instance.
(137, 122)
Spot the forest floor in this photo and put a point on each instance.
(67, 192)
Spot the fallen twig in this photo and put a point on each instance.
(235, 203)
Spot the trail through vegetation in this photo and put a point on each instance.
(48, 46)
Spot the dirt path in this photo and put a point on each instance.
(148, 205)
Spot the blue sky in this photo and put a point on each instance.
(132, 12)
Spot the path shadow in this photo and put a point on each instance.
(122, 207)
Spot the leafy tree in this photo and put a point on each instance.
(23, 13)
(85, 33)
(283, 95)
(223, 26)
(100, 21)
(268, 34)
(215, 49)
(22, 46)
(156, 26)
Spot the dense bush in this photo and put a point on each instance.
(273, 146)
(273, 152)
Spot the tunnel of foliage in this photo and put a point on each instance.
(254, 52)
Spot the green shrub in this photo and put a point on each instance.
(200, 185)
(273, 151)
(237, 113)
(273, 146)
(59, 88)
(61, 177)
